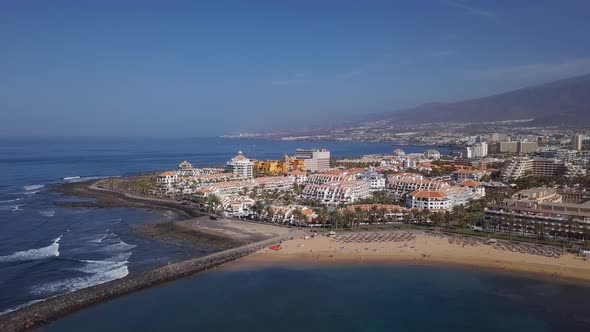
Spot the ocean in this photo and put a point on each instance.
(343, 298)
(46, 250)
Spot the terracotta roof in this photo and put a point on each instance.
(169, 173)
(470, 183)
(428, 194)
(297, 172)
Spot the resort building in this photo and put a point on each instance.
(403, 187)
(404, 176)
(540, 210)
(462, 175)
(541, 167)
(432, 154)
(375, 180)
(314, 160)
(166, 181)
(337, 192)
(297, 176)
(241, 166)
(432, 200)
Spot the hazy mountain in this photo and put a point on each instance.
(561, 102)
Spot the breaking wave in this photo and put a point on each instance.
(33, 187)
(11, 200)
(117, 247)
(20, 306)
(109, 264)
(74, 284)
(49, 213)
(11, 207)
(51, 250)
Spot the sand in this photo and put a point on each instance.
(422, 249)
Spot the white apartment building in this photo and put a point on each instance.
(403, 187)
(337, 192)
(314, 160)
(433, 200)
(375, 180)
(241, 166)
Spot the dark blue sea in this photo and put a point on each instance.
(46, 250)
(361, 298)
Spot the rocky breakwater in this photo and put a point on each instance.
(53, 308)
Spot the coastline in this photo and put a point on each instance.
(246, 245)
(231, 240)
(423, 250)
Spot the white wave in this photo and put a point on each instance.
(73, 284)
(31, 193)
(101, 238)
(67, 178)
(106, 265)
(11, 200)
(33, 187)
(51, 250)
(20, 306)
(11, 207)
(49, 213)
(117, 247)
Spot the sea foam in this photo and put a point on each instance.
(51, 250)
(33, 187)
(49, 213)
(73, 284)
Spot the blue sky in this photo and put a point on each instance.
(195, 68)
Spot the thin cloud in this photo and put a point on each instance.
(472, 10)
(536, 71)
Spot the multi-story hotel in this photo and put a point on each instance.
(432, 200)
(241, 166)
(540, 209)
(337, 192)
(542, 167)
(403, 187)
(314, 160)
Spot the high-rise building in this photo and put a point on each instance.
(526, 147)
(240, 166)
(577, 142)
(314, 160)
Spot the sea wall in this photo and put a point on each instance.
(53, 308)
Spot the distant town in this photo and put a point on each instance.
(532, 186)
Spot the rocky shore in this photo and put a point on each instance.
(106, 198)
(53, 308)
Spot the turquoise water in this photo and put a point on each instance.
(361, 298)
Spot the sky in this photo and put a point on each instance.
(200, 68)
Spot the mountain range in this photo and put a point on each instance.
(563, 102)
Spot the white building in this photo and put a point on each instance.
(375, 180)
(433, 200)
(167, 181)
(241, 166)
(432, 154)
(577, 142)
(408, 163)
(314, 160)
(337, 192)
(478, 150)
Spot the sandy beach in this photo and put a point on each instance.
(419, 248)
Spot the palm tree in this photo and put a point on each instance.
(323, 215)
(257, 208)
(212, 203)
(270, 212)
(348, 217)
(298, 216)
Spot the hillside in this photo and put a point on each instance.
(561, 102)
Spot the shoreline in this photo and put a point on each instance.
(230, 239)
(426, 250)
